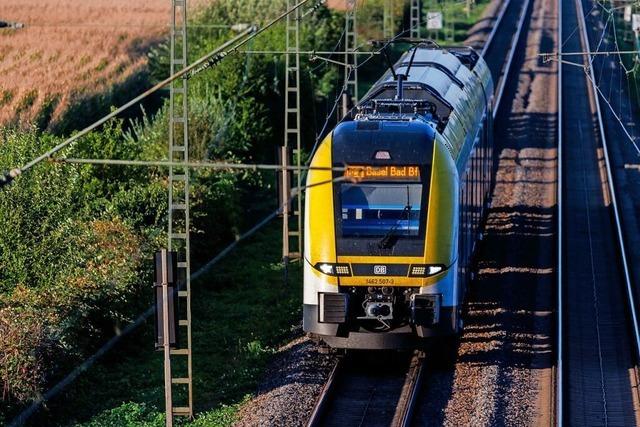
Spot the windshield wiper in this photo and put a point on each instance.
(386, 241)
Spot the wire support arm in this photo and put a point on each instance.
(193, 165)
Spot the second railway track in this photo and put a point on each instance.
(597, 326)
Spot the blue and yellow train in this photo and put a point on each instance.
(388, 245)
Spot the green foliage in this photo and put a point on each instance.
(128, 415)
(243, 312)
(76, 240)
(65, 274)
(141, 415)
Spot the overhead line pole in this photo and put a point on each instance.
(414, 21)
(292, 230)
(388, 19)
(179, 221)
(350, 58)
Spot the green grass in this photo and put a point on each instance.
(241, 313)
(457, 12)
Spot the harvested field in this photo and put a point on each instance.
(71, 49)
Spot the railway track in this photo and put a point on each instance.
(597, 337)
(360, 394)
(510, 21)
(367, 389)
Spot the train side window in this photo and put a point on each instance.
(461, 251)
(469, 213)
(478, 184)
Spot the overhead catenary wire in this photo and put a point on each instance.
(194, 165)
(215, 59)
(610, 19)
(344, 89)
(597, 53)
(12, 174)
(123, 25)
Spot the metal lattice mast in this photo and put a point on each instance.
(179, 220)
(292, 230)
(351, 59)
(414, 22)
(387, 19)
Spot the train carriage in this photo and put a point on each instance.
(388, 245)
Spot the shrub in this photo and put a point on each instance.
(65, 278)
(74, 238)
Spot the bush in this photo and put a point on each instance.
(76, 240)
(47, 324)
(65, 278)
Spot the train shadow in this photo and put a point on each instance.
(509, 310)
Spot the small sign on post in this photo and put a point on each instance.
(627, 13)
(434, 21)
(635, 22)
(166, 298)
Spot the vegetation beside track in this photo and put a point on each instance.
(242, 312)
(76, 241)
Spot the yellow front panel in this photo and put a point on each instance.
(443, 213)
(320, 229)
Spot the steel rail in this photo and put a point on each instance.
(410, 392)
(559, 392)
(496, 25)
(614, 202)
(515, 41)
(559, 389)
(325, 395)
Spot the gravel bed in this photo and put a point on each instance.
(292, 383)
(503, 375)
(479, 32)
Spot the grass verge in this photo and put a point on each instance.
(241, 313)
(456, 20)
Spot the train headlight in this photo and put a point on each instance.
(332, 269)
(425, 270)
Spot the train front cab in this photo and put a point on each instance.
(360, 292)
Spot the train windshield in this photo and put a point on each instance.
(381, 209)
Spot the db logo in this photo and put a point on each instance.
(380, 269)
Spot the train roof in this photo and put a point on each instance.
(448, 87)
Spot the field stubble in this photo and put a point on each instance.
(70, 50)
